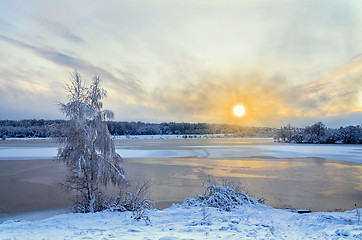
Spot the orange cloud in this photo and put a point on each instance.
(212, 99)
(268, 100)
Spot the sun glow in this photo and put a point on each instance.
(239, 110)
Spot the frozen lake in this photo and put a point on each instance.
(198, 148)
(319, 177)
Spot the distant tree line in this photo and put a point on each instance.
(319, 133)
(48, 128)
(141, 128)
(29, 128)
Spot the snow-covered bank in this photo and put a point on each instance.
(184, 222)
(184, 136)
(120, 137)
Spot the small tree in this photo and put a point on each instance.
(88, 150)
(284, 134)
(315, 133)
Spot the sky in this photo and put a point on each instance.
(285, 61)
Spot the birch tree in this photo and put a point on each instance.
(88, 149)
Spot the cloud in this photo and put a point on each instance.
(125, 83)
(269, 100)
(192, 61)
(53, 56)
(5, 25)
(21, 98)
(337, 92)
(58, 29)
(212, 98)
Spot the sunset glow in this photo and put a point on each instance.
(239, 110)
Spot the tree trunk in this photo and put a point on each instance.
(91, 200)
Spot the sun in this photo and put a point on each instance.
(239, 110)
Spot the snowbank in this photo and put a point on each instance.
(158, 136)
(172, 136)
(254, 221)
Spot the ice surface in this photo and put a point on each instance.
(352, 153)
(27, 153)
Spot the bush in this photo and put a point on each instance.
(225, 196)
(134, 198)
(81, 204)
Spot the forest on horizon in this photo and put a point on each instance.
(47, 128)
(316, 133)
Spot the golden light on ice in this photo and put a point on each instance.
(239, 110)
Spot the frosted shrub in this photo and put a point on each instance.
(133, 198)
(81, 203)
(137, 199)
(224, 197)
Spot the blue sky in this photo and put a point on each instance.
(292, 61)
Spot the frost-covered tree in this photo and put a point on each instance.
(350, 134)
(88, 150)
(284, 134)
(315, 133)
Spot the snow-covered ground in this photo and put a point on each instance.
(184, 222)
